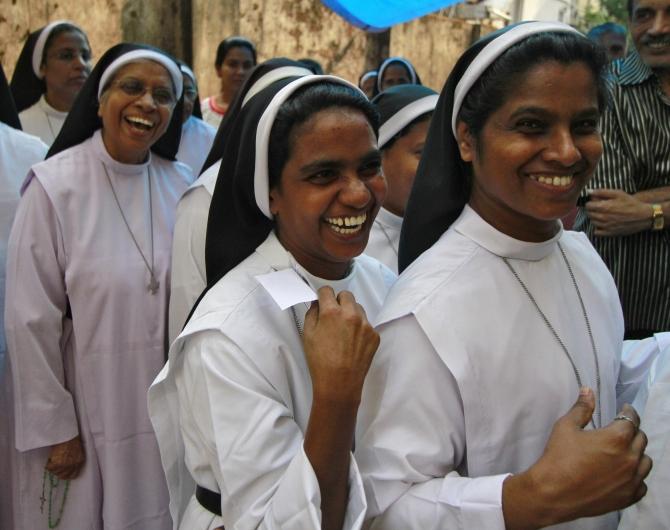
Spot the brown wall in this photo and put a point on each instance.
(291, 28)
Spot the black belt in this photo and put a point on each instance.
(209, 500)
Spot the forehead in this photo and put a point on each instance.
(239, 53)
(333, 129)
(554, 87)
(397, 70)
(69, 39)
(651, 4)
(145, 70)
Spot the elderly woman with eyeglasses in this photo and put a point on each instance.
(87, 299)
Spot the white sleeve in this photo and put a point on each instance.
(411, 441)
(636, 358)
(265, 478)
(35, 308)
(188, 276)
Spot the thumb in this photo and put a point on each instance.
(581, 412)
(312, 315)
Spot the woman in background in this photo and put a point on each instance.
(235, 57)
(52, 67)
(396, 71)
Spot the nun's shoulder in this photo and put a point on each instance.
(237, 295)
(20, 143)
(375, 270)
(430, 275)
(67, 167)
(180, 170)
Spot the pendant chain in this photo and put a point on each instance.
(153, 284)
(558, 339)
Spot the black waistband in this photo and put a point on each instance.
(209, 500)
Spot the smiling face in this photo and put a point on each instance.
(329, 191)
(135, 110)
(400, 162)
(650, 30)
(536, 151)
(66, 65)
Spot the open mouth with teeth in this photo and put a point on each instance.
(557, 181)
(140, 123)
(347, 225)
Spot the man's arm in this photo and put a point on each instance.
(617, 213)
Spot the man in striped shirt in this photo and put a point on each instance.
(627, 216)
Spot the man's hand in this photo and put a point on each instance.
(66, 459)
(617, 213)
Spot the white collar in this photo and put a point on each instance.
(472, 226)
(48, 109)
(389, 219)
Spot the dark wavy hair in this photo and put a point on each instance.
(300, 106)
(233, 42)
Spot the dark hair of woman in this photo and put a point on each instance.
(406, 129)
(300, 107)
(493, 88)
(233, 42)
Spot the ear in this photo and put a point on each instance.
(466, 142)
(274, 206)
(43, 68)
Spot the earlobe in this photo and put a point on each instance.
(466, 142)
(273, 202)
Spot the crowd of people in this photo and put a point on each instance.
(306, 303)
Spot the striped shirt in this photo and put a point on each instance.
(636, 141)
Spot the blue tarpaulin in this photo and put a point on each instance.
(378, 15)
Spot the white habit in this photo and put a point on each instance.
(71, 253)
(469, 380)
(189, 277)
(197, 138)
(384, 239)
(653, 404)
(18, 151)
(42, 120)
(234, 402)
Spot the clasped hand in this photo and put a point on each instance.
(617, 213)
(339, 345)
(66, 459)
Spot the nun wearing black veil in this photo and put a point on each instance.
(189, 278)
(51, 70)
(88, 288)
(492, 401)
(18, 151)
(258, 402)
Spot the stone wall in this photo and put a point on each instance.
(192, 29)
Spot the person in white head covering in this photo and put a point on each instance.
(52, 67)
(258, 402)
(87, 290)
(189, 279)
(500, 318)
(196, 135)
(405, 112)
(18, 151)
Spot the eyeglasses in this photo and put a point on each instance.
(135, 88)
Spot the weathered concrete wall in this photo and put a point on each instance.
(290, 28)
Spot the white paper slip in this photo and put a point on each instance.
(287, 288)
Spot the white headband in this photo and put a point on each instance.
(495, 49)
(274, 75)
(136, 55)
(186, 70)
(38, 50)
(261, 170)
(405, 115)
(387, 63)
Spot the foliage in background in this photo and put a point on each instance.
(609, 11)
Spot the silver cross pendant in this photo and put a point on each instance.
(153, 285)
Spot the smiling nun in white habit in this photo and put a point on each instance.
(258, 403)
(490, 403)
(51, 70)
(88, 287)
(189, 279)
